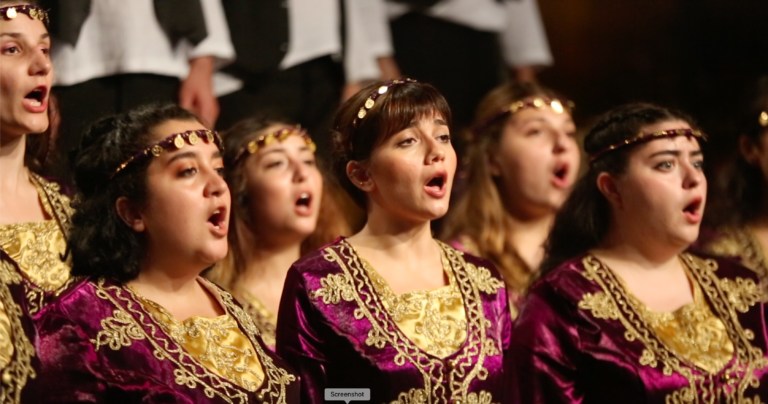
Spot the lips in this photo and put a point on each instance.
(303, 204)
(436, 186)
(36, 101)
(218, 222)
(560, 177)
(693, 210)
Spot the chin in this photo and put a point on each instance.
(35, 126)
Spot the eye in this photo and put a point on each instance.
(665, 165)
(188, 172)
(310, 162)
(406, 142)
(11, 50)
(46, 51)
(220, 171)
(699, 165)
(444, 138)
(533, 132)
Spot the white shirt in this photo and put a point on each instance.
(124, 36)
(518, 22)
(315, 31)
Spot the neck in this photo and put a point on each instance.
(268, 260)
(643, 250)
(395, 236)
(12, 169)
(153, 279)
(528, 235)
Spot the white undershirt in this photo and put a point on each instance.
(522, 35)
(315, 31)
(124, 36)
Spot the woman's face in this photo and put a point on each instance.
(186, 213)
(536, 161)
(26, 75)
(284, 188)
(411, 173)
(663, 192)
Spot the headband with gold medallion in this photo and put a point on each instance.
(173, 142)
(559, 106)
(647, 137)
(763, 119)
(276, 135)
(34, 12)
(370, 102)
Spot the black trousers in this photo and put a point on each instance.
(308, 94)
(81, 104)
(463, 63)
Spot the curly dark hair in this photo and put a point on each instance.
(101, 244)
(584, 219)
(392, 113)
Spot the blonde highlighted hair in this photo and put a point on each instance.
(478, 219)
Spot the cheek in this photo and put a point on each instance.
(523, 162)
(392, 173)
(269, 198)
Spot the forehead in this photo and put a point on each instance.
(24, 26)
(293, 142)
(545, 113)
(677, 143)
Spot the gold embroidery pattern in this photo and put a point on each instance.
(740, 371)
(466, 367)
(17, 366)
(188, 372)
(413, 396)
(434, 320)
(37, 248)
(742, 293)
(600, 304)
(118, 331)
(265, 321)
(483, 279)
(334, 288)
(742, 243)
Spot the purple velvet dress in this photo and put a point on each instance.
(98, 344)
(582, 338)
(334, 329)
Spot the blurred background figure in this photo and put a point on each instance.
(461, 46)
(523, 160)
(299, 57)
(114, 55)
(281, 209)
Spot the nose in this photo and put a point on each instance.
(692, 176)
(300, 171)
(216, 185)
(40, 65)
(435, 152)
(562, 141)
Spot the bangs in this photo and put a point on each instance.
(406, 104)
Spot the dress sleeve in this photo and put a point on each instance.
(300, 340)
(544, 352)
(524, 41)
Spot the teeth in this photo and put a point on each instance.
(304, 195)
(36, 103)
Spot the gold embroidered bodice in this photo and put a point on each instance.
(742, 243)
(217, 343)
(37, 248)
(434, 320)
(692, 332)
(265, 320)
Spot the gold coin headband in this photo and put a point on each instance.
(539, 102)
(34, 12)
(277, 135)
(370, 102)
(642, 137)
(173, 142)
(763, 119)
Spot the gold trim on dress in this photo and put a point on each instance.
(354, 285)
(615, 302)
(265, 320)
(17, 366)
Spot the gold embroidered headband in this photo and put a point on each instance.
(175, 141)
(370, 102)
(34, 12)
(279, 135)
(763, 119)
(642, 137)
(559, 106)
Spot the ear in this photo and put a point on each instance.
(129, 214)
(492, 159)
(358, 173)
(608, 187)
(749, 150)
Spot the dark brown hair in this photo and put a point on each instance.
(355, 139)
(585, 217)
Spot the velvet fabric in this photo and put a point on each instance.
(97, 344)
(334, 330)
(579, 339)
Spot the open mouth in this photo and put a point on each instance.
(693, 207)
(37, 96)
(436, 182)
(217, 218)
(436, 185)
(560, 175)
(305, 199)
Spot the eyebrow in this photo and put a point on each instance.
(17, 35)
(676, 153)
(189, 154)
(437, 121)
